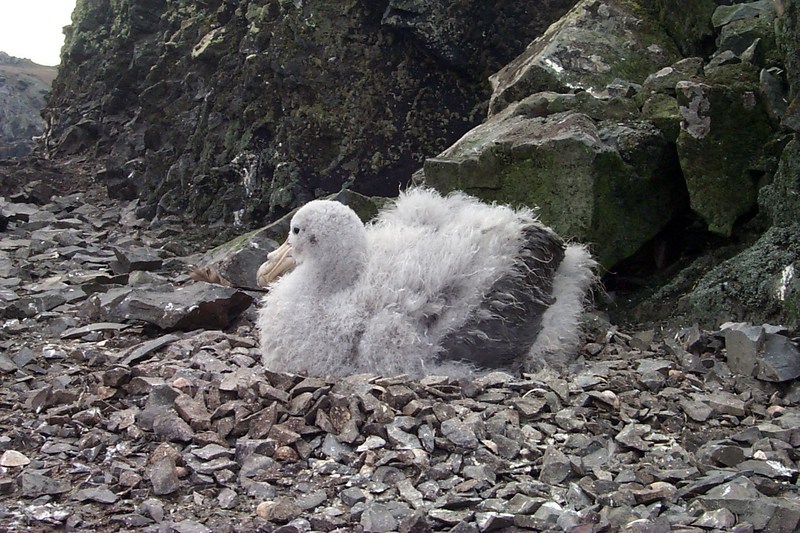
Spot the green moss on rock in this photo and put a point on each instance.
(592, 46)
(611, 185)
(717, 153)
(758, 285)
(781, 199)
(663, 111)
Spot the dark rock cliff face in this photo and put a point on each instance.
(23, 88)
(240, 111)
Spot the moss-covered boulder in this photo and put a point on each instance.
(761, 284)
(688, 23)
(780, 200)
(658, 95)
(663, 111)
(593, 45)
(609, 182)
(787, 31)
(723, 130)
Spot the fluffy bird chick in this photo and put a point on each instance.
(434, 285)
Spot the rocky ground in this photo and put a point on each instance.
(132, 399)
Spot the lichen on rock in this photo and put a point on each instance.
(605, 182)
(717, 156)
(758, 285)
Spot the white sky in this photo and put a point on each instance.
(32, 28)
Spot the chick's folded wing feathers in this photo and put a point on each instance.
(440, 269)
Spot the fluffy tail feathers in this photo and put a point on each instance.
(560, 332)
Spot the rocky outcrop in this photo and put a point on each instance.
(651, 130)
(577, 145)
(23, 88)
(762, 281)
(598, 173)
(242, 111)
(603, 126)
(595, 45)
(617, 139)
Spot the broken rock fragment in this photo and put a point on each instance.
(755, 351)
(196, 306)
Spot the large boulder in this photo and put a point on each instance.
(755, 276)
(195, 306)
(787, 29)
(721, 160)
(718, 156)
(596, 174)
(780, 200)
(594, 45)
(565, 134)
(761, 284)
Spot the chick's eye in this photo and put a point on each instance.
(295, 230)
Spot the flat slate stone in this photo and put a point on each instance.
(137, 258)
(76, 333)
(196, 306)
(780, 360)
(35, 484)
(143, 350)
(96, 494)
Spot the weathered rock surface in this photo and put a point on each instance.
(200, 305)
(753, 351)
(690, 26)
(615, 143)
(780, 200)
(760, 284)
(596, 171)
(595, 45)
(244, 111)
(717, 160)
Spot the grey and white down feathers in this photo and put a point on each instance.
(434, 285)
